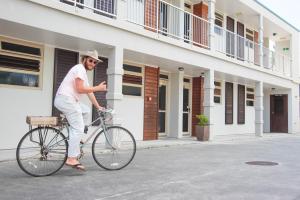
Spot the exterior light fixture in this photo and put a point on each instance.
(180, 69)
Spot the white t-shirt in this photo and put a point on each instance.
(68, 87)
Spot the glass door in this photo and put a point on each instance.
(163, 88)
(186, 107)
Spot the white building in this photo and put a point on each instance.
(165, 62)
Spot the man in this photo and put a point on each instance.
(67, 100)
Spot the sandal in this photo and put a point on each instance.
(78, 166)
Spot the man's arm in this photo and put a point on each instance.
(85, 90)
(94, 100)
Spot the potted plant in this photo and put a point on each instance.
(202, 128)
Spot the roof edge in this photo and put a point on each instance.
(261, 4)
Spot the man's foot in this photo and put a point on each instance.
(78, 166)
(73, 162)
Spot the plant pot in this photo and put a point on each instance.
(202, 133)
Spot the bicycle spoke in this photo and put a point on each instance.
(42, 160)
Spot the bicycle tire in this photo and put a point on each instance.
(45, 163)
(105, 151)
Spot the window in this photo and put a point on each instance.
(20, 63)
(228, 103)
(219, 23)
(132, 80)
(250, 96)
(217, 92)
(241, 104)
(249, 37)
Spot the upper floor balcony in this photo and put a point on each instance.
(228, 28)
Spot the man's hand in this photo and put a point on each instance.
(101, 87)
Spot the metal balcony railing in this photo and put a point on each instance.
(101, 7)
(241, 48)
(169, 20)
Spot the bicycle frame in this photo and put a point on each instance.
(101, 126)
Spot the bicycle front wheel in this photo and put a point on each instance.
(114, 149)
(42, 151)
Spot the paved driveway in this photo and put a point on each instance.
(212, 170)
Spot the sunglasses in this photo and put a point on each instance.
(92, 61)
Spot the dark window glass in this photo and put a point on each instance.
(185, 123)
(185, 99)
(131, 90)
(250, 103)
(162, 120)
(250, 90)
(250, 96)
(186, 80)
(14, 78)
(217, 83)
(20, 48)
(19, 63)
(163, 76)
(132, 68)
(217, 99)
(162, 97)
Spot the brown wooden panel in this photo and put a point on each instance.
(201, 28)
(100, 75)
(197, 101)
(151, 85)
(64, 60)
(256, 48)
(228, 103)
(279, 113)
(150, 15)
(127, 78)
(241, 104)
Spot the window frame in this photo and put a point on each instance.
(23, 56)
(250, 99)
(141, 74)
(218, 88)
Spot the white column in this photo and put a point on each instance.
(293, 109)
(209, 87)
(259, 109)
(261, 40)
(114, 94)
(176, 104)
(211, 19)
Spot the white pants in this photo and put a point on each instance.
(76, 114)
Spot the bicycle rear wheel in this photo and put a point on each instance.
(42, 151)
(114, 149)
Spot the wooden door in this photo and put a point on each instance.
(279, 113)
(64, 60)
(228, 103)
(197, 101)
(151, 89)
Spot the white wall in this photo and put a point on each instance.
(132, 115)
(17, 103)
(221, 128)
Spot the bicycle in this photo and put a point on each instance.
(43, 150)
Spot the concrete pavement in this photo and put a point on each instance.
(175, 169)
